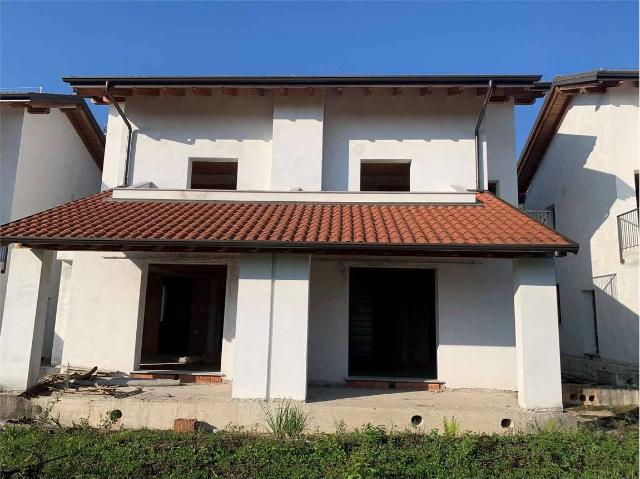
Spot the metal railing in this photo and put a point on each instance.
(543, 216)
(628, 234)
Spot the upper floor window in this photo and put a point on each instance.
(385, 175)
(213, 175)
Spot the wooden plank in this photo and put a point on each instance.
(174, 91)
(202, 91)
(146, 91)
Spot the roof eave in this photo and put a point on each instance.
(98, 244)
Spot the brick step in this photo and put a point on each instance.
(400, 384)
(184, 378)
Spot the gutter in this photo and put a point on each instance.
(477, 132)
(288, 246)
(125, 180)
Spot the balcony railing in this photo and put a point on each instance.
(543, 216)
(628, 235)
(3, 258)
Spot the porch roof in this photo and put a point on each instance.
(488, 227)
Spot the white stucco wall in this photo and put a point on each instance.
(475, 322)
(44, 164)
(169, 131)
(280, 141)
(106, 311)
(587, 173)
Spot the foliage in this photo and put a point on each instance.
(288, 420)
(367, 453)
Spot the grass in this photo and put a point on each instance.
(288, 420)
(368, 453)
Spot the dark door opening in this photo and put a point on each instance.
(184, 317)
(392, 323)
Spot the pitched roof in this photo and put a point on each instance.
(489, 226)
(556, 103)
(73, 106)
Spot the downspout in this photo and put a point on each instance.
(125, 181)
(477, 132)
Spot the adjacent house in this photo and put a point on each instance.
(286, 231)
(51, 152)
(579, 169)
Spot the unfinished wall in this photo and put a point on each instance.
(475, 326)
(587, 174)
(313, 141)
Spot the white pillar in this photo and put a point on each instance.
(537, 338)
(271, 327)
(62, 311)
(24, 317)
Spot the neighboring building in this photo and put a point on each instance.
(291, 230)
(581, 164)
(51, 152)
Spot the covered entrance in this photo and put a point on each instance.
(392, 325)
(184, 317)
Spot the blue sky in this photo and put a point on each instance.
(42, 41)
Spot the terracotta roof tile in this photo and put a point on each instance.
(489, 223)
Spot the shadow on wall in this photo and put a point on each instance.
(597, 192)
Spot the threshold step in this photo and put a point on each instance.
(186, 377)
(405, 384)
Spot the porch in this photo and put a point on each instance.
(328, 408)
(279, 325)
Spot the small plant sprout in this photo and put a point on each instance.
(287, 421)
(451, 427)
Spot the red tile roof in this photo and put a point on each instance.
(490, 225)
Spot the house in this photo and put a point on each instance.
(51, 152)
(286, 231)
(580, 168)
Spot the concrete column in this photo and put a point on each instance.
(272, 327)
(537, 338)
(62, 311)
(229, 325)
(24, 317)
(296, 161)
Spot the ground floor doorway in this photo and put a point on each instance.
(392, 323)
(184, 317)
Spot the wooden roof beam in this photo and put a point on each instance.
(395, 91)
(455, 90)
(174, 91)
(257, 92)
(426, 91)
(230, 91)
(202, 91)
(146, 91)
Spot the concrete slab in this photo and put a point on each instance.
(156, 408)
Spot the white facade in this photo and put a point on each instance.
(286, 314)
(43, 163)
(587, 174)
(313, 143)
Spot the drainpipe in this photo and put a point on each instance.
(477, 132)
(125, 181)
